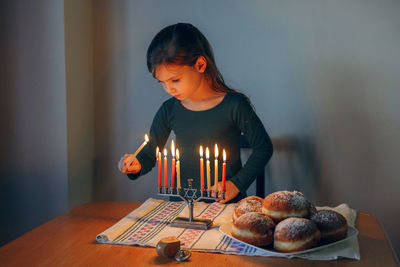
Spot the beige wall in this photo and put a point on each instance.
(33, 126)
(80, 99)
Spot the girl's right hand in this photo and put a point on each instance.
(134, 168)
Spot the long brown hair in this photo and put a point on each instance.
(183, 43)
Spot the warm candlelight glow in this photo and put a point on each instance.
(224, 171)
(146, 140)
(178, 169)
(158, 156)
(201, 169)
(173, 165)
(165, 169)
(216, 170)
(208, 169)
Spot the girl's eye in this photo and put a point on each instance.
(175, 81)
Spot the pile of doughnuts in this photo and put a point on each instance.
(287, 220)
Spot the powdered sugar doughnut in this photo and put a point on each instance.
(254, 228)
(284, 204)
(248, 204)
(333, 225)
(296, 234)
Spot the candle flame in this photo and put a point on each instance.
(201, 151)
(165, 152)
(157, 151)
(216, 151)
(172, 148)
(146, 138)
(177, 154)
(207, 153)
(224, 154)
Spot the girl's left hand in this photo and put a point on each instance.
(231, 191)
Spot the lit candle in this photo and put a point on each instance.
(201, 169)
(173, 165)
(216, 169)
(208, 169)
(224, 171)
(158, 156)
(146, 140)
(178, 170)
(165, 169)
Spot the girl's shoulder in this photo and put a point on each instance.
(170, 103)
(237, 98)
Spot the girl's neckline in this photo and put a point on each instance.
(209, 109)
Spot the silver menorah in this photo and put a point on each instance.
(189, 195)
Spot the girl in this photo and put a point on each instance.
(203, 110)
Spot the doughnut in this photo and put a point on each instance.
(248, 204)
(284, 204)
(296, 234)
(333, 225)
(255, 228)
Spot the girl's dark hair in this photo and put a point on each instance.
(182, 43)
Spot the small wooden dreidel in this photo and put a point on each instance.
(168, 246)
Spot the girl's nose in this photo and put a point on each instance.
(170, 89)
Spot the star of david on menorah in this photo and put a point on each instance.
(189, 195)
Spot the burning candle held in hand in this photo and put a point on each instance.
(146, 140)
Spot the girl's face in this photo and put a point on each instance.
(181, 81)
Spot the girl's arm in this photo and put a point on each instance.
(159, 133)
(253, 129)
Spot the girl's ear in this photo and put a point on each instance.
(201, 64)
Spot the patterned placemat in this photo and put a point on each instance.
(146, 225)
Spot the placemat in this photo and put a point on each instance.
(146, 225)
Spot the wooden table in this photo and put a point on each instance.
(69, 240)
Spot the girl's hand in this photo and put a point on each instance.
(134, 168)
(231, 191)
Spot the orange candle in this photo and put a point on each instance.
(216, 169)
(224, 172)
(165, 169)
(201, 169)
(173, 165)
(208, 169)
(158, 155)
(178, 170)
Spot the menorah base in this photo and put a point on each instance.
(183, 222)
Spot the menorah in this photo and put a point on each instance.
(189, 195)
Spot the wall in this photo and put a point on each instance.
(33, 140)
(322, 76)
(80, 100)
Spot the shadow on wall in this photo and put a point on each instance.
(294, 166)
(103, 186)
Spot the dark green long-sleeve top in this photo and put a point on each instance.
(222, 124)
